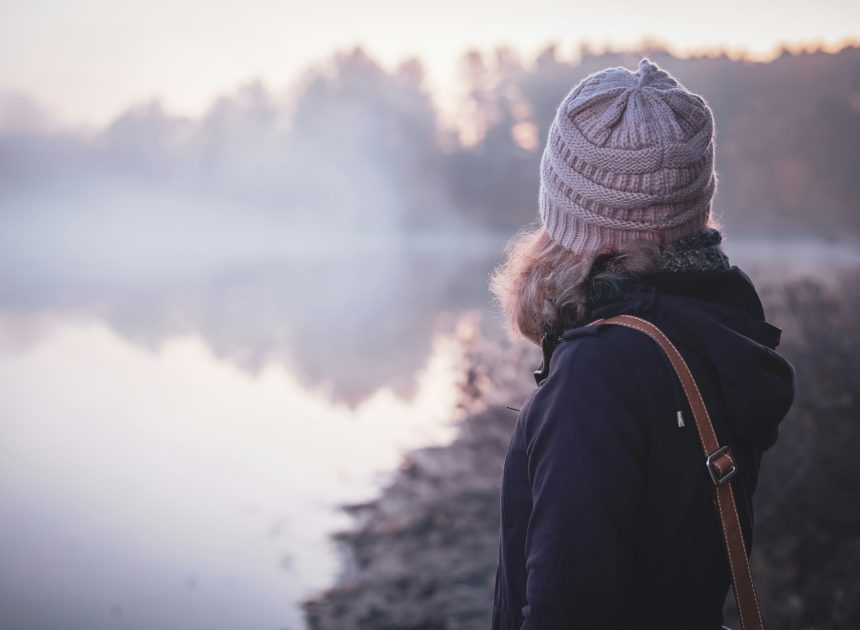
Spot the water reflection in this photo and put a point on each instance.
(351, 309)
(167, 488)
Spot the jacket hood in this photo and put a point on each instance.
(719, 315)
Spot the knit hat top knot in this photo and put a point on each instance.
(630, 155)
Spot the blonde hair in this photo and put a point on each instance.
(543, 286)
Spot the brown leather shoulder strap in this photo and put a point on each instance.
(721, 468)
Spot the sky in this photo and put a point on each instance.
(84, 62)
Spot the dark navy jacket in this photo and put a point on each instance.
(607, 519)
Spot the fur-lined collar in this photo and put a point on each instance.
(697, 252)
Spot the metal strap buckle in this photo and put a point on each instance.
(718, 476)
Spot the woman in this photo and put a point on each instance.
(607, 517)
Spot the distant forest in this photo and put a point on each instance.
(355, 141)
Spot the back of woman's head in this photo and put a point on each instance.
(628, 169)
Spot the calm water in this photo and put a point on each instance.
(186, 395)
(169, 488)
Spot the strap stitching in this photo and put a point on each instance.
(734, 511)
(731, 561)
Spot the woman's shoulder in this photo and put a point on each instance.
(588, 373)
(606, 350)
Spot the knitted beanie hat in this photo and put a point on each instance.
(629, 156)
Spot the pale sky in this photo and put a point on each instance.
(86, 61)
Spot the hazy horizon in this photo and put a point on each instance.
(186, 55)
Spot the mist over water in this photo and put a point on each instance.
(189, 393)
(254, 287)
